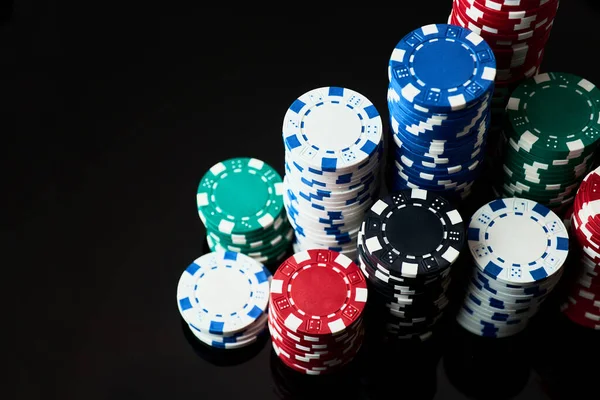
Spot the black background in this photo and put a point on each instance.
(118, 110)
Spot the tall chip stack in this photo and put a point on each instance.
(551, 138)
(582, 305)
(316, 311)
(441, 81)
(517, 32)
(407, 244)
(333, 147)
(240, 202)
(518, 249)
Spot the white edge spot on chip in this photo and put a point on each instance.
(409, 92)
(409, 269)
(337, 325)
(586, 85)
(381, 276)
(373, 244)
(418, 194)
(457, 102)
(379, 207)
(277, 286)
(431, 29)
(301, 256)
(343, 260)
(226, 226)
(266, 220)
(529, 137)
(398, 55)
(217, 168)
(488, 73)
(474, 38)
(202, 199)
(279, 188)
(576, 145)
(513, 104)
(455, 217)
(292, 322)
(450, 255)
(541, 78)
(256, 163)
(361, 295)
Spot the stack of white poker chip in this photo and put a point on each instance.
(518, 248)
(223, 296)
(333, 147)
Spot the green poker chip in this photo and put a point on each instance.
(554, 115)
(240, 196)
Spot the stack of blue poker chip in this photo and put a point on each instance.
(333, 147)
(441, 81)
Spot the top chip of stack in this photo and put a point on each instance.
(408, 242)
(441, 80)
(519, 248)
(583, 299)
(333, 146)
(517, 31)
(551, 135)
(223, 297)
(240, 203)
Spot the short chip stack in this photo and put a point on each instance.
(316, 307)
(240, 202)
(517, 31)
(333, 146)
(441, 80)
(518, 248)
(551, 133)
(583, 299)
(408, 242)
(223, 297)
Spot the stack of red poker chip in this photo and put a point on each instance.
(583, 298)
(517, 32)
(315, 311)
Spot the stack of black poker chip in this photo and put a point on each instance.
(406, 246)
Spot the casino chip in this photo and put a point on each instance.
(441, 80)
(582, 305)
(315, 311)
(407, 244)
(517, 32)
(550, 138)
(518, 248)
(333, 146)
(223, 297)
(240, 202)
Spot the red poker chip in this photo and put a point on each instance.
(511, 5)
(316, 305)
(318, 292)
(522, 14)
(504, 23)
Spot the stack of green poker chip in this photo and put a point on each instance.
(551, 135)
(241, 205)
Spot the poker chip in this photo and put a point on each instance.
(439, 111)
(333, 147)
(256, 226)
(518, 249)
(550, 138)
(223, 297)
(582, 305)
(407, 243)
(316, 307)
(517, 32)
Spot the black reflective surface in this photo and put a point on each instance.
(120, 110)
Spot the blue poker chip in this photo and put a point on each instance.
(442, 67)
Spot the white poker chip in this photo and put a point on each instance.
(223, 293)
